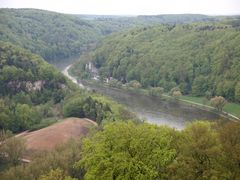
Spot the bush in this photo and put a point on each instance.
(12, 150)
(173, 90)
(134, 84)
(86, 108)
(218, 102)
(155, 91)
(115, 83)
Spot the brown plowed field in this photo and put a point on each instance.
(48, 138)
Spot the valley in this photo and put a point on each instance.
(88, 96)
(151, 109)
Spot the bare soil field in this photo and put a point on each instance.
(49, 138)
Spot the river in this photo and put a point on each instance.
(152, 109)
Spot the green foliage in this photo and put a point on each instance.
(232, 108)
(200, 154)
(229, 137)
(202, 59)
(5, 116)
(86, 107)
(208, 95)
(199, 86)
(4, 135)
(118, 112)
(22, 71)
(24, 114)
(42, 124)
(56, 174)
(4, 163)
(134, 84)
(95, 107)
(51, 35)
(11, 150)
(127, 151)
(54, 35)
(155, 91)
(237, 92)
(27, 86)
(33, 90)
(195, 57)
(62, 158)
(124, 150)
(115, 83)
(203, 150)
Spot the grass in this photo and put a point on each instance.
(200, 100)
(232, 108)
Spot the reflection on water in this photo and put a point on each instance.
(153, 109)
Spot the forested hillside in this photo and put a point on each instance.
(198, 58)
(32, 90)
(55, 36)
(201, 58)
(27, 82)
(109, 24)
(49, 34)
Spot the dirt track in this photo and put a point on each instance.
(48, 138)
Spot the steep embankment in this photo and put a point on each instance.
(30, 89)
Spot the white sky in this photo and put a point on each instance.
(130, 7)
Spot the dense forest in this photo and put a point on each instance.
(49, 34)
(195, 54)
(26, 81)
(121, 150)
(32, 90)
(199, 58)
(56, 36)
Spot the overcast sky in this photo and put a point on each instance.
(130, 7)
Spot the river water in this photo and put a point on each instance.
(153, 110)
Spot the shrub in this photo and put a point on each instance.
(218, 102)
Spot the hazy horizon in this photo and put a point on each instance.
(129, 8)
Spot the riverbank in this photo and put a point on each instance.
(230, 108)
(163, 110)
(230, 111)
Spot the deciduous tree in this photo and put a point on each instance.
(218, 102)
(127, 151)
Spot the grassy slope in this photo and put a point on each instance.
(232, 108)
